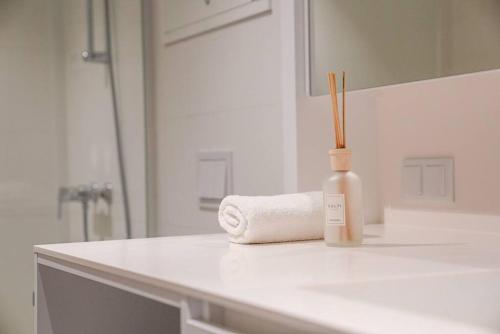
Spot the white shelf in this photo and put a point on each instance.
(184, 19)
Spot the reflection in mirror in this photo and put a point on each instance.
(386, 42)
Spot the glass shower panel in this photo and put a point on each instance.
(57, 131)
(91, 137)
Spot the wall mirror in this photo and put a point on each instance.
(385, 42)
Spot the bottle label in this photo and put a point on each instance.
(335, 209)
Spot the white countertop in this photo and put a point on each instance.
(403, 279)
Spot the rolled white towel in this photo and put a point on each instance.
(261, 219)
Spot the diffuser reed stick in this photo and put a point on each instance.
(343, 110)
(332, 84)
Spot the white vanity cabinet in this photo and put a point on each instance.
(404, 279)
(97, 292)
(183, 19)
(71, 298)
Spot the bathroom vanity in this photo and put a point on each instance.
(404, 279)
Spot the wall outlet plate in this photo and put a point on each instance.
(430, 179)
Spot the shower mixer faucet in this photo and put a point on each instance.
(85, 193)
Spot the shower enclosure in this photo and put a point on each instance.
(72, 133)
(94, 192)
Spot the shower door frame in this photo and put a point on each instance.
(149, 116)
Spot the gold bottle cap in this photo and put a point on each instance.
(340, 159)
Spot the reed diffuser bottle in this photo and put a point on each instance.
(342, 192)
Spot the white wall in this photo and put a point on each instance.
(454, 117)
(202, 102)
(220, 90)
(31, 149)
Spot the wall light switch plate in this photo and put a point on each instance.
(215, 178)
(430, 179)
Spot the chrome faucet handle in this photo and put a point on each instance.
(95, 57)
(101, 190)
(85, 193)
(107, 193)
(70, 194)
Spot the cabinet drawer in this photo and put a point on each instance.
(195, 326)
